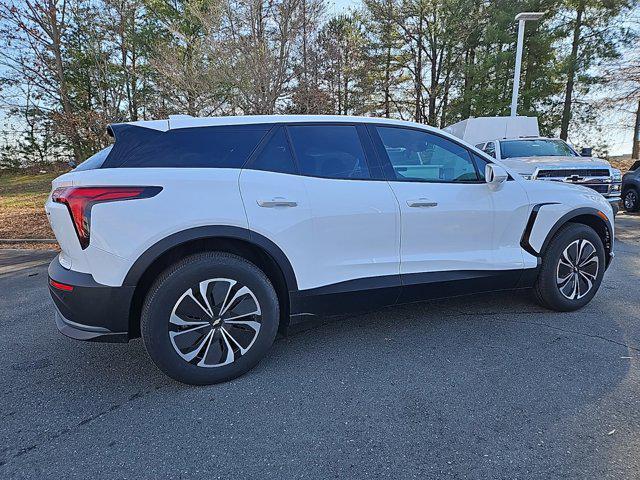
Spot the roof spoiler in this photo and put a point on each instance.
(130, 136)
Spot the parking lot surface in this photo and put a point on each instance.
(487, 386)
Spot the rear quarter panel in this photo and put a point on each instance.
(122, 231)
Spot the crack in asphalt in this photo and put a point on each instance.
(24, 450)
(583, 334)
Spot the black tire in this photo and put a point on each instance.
(631, 200)
(170, 294)
(548, 288)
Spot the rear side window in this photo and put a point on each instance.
(276, 155)
(198, 147)
(94, 161)
(329, 151)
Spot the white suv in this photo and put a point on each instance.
(206, 236)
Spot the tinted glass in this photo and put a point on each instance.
(481, 163)
(330, 151)
(198, 147)
(535, 148)
(95, 161)
(490, 149)
(276, 155)
(424, 157)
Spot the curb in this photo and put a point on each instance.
(28, 240)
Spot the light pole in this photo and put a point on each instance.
(521, 18)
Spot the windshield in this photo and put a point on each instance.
(535, 148)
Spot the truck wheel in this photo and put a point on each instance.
(209, 318)
(631, 200)
(572, 268)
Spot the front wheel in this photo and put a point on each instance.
(631, 200)
(209, 318)
(572, 268)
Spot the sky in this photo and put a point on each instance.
(617, 132)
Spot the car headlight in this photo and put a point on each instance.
(616, 175)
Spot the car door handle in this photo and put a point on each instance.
(277, 202)
(422, 202)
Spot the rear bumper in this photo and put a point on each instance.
(90, 311)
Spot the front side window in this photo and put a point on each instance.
(329, 151)
(540, 147)
(490, 149)
(424, 157)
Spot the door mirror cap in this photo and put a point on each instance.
(495, 175)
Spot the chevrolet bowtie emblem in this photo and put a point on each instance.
(574, 178)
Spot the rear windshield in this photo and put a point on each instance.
(535, 148)
(95, 161)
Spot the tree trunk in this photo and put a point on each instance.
(67, 108)
(418, 74)
(387, 81)
(571, 73)
(635, 153)
(470, 58)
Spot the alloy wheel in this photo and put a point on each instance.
(215, 322)
(577, 269)
(630, 200)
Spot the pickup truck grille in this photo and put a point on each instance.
(598, 179)
(604, 189)
(582, 172)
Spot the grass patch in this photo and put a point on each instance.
(22, 198)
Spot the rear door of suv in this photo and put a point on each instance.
(312, 190)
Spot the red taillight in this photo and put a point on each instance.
(79, 201)
(61, 286)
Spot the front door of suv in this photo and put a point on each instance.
(336, 222)
(450, 230)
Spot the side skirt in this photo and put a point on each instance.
(374, 293)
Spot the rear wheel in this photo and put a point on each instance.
(209, 318)
(631, 200)
(572, 268)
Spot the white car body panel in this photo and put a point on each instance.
(191, 197)
(565, 199)
(446, 236)
(338, 231)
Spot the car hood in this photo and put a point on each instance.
(528, 165)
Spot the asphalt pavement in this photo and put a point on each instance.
(486, 386)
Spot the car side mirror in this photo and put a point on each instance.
(495, 175)
(586, 152)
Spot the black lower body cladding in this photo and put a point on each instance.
(89, 310)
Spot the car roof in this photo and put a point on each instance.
(187, 121)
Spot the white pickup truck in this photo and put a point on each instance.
(517, 143)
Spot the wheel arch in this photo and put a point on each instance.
(250, 245)
(591, 217)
